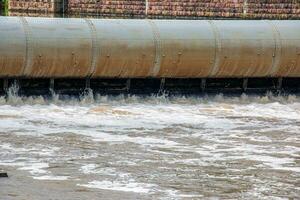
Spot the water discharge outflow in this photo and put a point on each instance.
(151, 147)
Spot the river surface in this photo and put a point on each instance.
(214, 147)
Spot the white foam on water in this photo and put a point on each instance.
(216, 129)
(120, 186)
(88, 169)
(33, 162)
(51, 178)
(36, 168)
(13, 163)
(33, 167)
(37, 150)
(107, 171)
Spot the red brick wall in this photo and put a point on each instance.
(281, 9)
(254, 9)
(41, 6)
(271, 9)
(108, 7)
(32, 14)
(194, 8)
(190, 9)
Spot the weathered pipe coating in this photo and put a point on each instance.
(54, 47)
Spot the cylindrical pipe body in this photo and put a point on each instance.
(55, 47)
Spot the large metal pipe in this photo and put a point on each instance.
(54, 47)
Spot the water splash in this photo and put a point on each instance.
(87, 97)
(54, 97)
(13, 98)
(149, 142)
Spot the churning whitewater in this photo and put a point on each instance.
(150, 147)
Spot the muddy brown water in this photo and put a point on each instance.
(215, 147)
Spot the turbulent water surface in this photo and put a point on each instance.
(219, 147)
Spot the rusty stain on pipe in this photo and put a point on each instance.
(83, 48)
